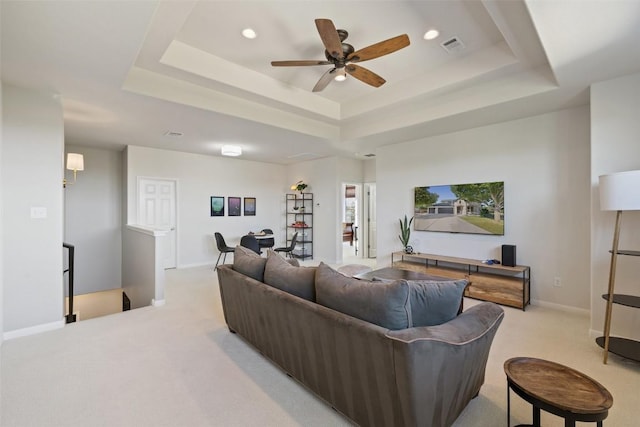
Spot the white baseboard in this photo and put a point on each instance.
(158, 303)
(197, 264)
(567, 308)
(32, 330)
(595, 334)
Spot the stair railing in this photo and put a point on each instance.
(70, 317)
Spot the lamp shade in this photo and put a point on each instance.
(620, 191)
(75, 162)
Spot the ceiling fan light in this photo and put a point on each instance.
(431, 34)
(341, 75)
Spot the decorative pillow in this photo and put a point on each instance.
(249, 263)
(291, 261)
(298, 281)
(433, 302)
(384, 304)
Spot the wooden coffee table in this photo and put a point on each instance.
(391, 273)
(557, 389)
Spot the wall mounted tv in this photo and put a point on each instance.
(461, 208)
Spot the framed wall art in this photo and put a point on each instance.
(249, 206)
(217, 206)
(234, 206)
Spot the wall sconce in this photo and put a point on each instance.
(75, 163)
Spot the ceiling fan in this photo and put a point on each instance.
(343, 56)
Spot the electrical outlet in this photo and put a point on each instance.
(557, 282)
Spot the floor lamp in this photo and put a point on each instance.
(618, 192)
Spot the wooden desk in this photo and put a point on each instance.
(557, 389)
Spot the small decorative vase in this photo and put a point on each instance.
(408, 250)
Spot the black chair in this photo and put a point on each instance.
(289, 249)
(267, 243)
(250, 242)
(222, 247)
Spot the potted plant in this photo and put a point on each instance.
(299, 186)
(405, 233)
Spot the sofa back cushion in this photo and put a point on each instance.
(435, 302)
(384, 304)
(298, 281)
(249, 263)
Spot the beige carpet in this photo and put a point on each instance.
(177, 365)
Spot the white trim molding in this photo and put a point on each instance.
(32, 330)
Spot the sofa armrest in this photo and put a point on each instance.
(469, 325)
(439, 369)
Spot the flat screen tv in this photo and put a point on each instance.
(461, 208)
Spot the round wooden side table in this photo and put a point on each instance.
(557, 389)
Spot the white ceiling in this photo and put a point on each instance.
(129, 71)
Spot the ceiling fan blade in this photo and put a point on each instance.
(379, 49)
(298, 63)
(324, 80)
(329, 36)
(367, 76)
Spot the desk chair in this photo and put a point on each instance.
(289, 249)
(222, 247)
(250, 242)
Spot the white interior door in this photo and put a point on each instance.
(157, 209)
(372, 234)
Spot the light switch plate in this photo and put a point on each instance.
(38, 212)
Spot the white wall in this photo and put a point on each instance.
(615, 146)
(143, 276)
(198, 178)
(325, 178)
(32, 162)
(544, 163)
(93, 219)
(369, 170)
(1, 228)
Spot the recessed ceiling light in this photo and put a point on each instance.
(231, 150)
(249, 33)
(431, 34)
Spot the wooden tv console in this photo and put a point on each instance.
(497, 283)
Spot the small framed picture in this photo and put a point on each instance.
(217, 206)
(234, 206)
(249, 206)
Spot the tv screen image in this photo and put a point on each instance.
(461, 208)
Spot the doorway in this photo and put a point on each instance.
(351, 213)
(370, 235)
(157, 209)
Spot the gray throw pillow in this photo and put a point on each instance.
(291, 261)
(298, 281)
(249, 263)
(433, 302)
(384, 304)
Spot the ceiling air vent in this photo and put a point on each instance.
(173, 134)
(370, 155)
(453, 45)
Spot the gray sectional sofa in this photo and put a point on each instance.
(359, 345)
